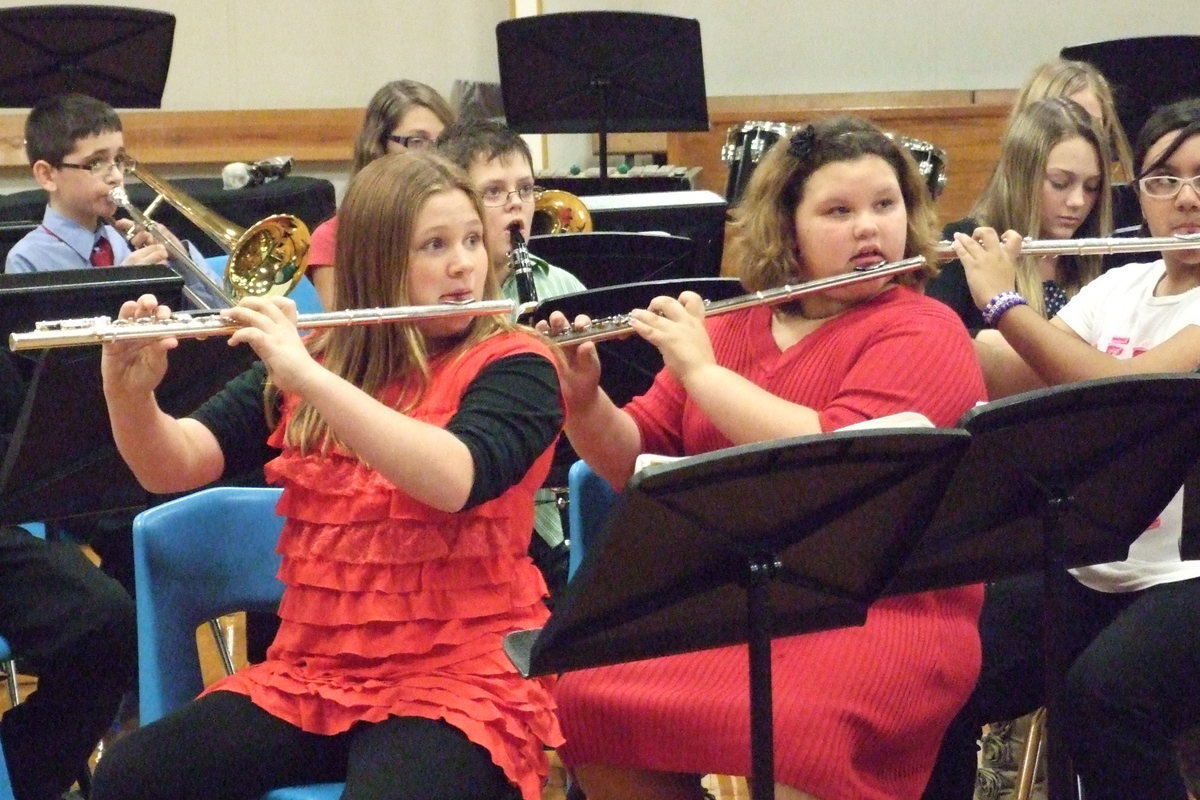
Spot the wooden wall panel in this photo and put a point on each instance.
(968, 130)
(218, 137)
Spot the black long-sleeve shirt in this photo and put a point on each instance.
(510, 414)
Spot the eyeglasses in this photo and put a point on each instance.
(495, 196)
(101, 168)
(1167, 185)
(412, 142)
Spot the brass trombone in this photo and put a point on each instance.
(266, 259)
(559, 211)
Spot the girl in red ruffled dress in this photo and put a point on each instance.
(409, 454)
(859, 712)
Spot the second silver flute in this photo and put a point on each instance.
(97, 330)
(1095, 246)
(613, 327)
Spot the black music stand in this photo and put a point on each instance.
(1059, 478)
(118, 55)
(61, 461)
(609, 258)
(1145, 72)
(602, 72)
(730, 570)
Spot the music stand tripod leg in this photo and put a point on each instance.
(1060, 780)
(762, 723)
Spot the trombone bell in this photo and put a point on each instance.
(267, 259)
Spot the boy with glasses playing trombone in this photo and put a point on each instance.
(76, 149)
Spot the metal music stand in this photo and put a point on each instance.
(602, 72)
(1059, 478)
(1145, 72)
(118, 55)
(728, 570)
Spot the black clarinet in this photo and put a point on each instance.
(522, 269)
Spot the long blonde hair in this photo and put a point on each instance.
(1064, 78)
(377, 222)
(1012, 198)
(765, 248)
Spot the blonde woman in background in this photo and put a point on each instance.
(1050, 183)
(1083, 83)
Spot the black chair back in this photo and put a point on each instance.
(611, 258)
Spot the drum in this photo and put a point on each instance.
(931, 162)
(744, 145)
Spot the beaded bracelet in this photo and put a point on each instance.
(998, 305)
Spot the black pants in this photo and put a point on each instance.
(1133, 686)
(224, 747)
(74, 627)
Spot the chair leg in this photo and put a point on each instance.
(222, 648)
(10, 677)
(1031, 755)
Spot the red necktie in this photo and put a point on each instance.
(102, 253)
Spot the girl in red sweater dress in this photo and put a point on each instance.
(409, 454)
(859, 712)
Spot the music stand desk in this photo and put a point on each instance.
(118, 55)
(729, 571)
(1054, 479)
(561, 73)
(1031, 484)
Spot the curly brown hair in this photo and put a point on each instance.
(765, 248)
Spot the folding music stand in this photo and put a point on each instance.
(566, 73)
(1059, 478)
(61, 460)
(118, 55)
(729, 571)
(1145, 72)
(609, 258)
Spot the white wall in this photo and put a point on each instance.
(802, 46)
(244, 54)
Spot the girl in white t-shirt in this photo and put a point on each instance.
(1134, 625)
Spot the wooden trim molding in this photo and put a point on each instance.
(966, 124)
(217, 137)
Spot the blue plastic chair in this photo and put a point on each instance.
(5, 784)
(195, 558)
(591, 500)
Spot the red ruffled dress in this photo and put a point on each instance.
(394, 608)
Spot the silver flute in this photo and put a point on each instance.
(616, 326)
(1094, 246)
(97, 330)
